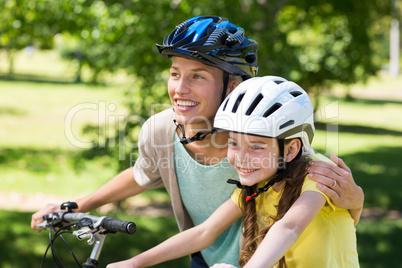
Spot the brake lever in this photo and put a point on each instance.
(87, 228)
(83, 233)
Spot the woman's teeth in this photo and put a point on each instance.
(186, 103)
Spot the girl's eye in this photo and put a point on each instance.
(196, 76)
(256, 147)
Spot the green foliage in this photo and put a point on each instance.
(311, 42)
(318, 42)
(314, 43)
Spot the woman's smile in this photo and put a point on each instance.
(183, 105)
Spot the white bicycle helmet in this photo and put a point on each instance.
(268, 106)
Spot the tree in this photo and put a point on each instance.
(26, 23)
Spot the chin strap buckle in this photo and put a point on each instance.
(249, 189)
(197, 137)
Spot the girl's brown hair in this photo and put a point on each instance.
(293, 176)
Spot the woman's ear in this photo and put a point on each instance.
(233, 83)
(292, 148)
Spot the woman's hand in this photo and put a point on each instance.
(38, 216)
(337, 182)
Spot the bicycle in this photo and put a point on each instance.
(85, 226)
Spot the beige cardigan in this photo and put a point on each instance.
(154, 167)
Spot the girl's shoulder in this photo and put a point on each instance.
(310, 185)
(319, 157)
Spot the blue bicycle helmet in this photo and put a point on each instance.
(213, 41)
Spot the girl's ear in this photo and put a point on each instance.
(292, 148)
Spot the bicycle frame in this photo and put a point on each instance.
(92, 261)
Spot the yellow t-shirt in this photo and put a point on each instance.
(329, 241)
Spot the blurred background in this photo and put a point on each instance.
(78, 78)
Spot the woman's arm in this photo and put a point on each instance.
(189, 241)
(346, 194)
(120, 187)
(284, 233)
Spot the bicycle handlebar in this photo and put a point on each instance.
(84, 226)
(115, 225)
(106, 223)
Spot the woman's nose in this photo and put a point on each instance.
(182, 87)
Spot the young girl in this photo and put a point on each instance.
(287, 222)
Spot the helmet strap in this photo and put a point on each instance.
(197, 137)
(203, 133)
(278, 177)
(225, 85)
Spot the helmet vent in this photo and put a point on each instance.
(278, 82)
(288, 123)
(254, 104)
(226, 103)
(180, 28)
(295, 93)
(237, 103)
(232, 30)
(251, 58)
(272, 109)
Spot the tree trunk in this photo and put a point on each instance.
(11, 57)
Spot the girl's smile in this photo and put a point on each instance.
(254, 158)
(246, 171)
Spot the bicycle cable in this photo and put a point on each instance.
(58, 233)
(49, 246)
(54, 255)
(69, 249)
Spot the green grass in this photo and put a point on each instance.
(51, 115)
(367, 134)
(40, 143)
(374, 114)
(379, 243)
(43, 63)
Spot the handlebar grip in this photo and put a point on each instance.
(115, 225)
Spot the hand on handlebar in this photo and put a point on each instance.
(38, 216)
(81, 225)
